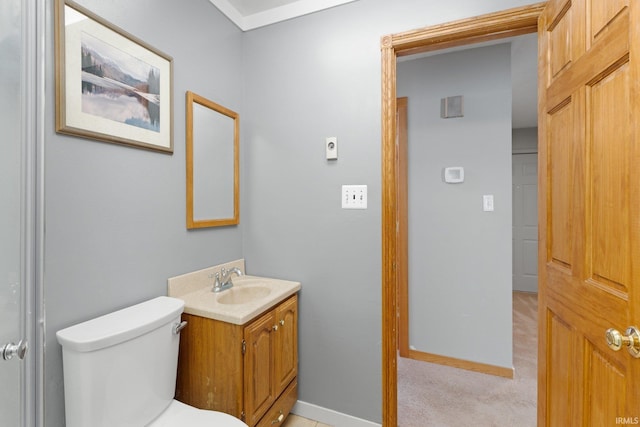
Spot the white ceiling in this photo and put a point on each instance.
(250, 14)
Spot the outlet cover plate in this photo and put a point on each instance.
(354, 197)
(331, 147)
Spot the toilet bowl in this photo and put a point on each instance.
(178, 415)
(120, 370)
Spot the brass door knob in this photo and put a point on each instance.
(631, 339)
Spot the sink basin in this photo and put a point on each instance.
(243, 295)
(249, 296)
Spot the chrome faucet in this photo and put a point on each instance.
(223, 279)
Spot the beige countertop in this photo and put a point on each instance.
(249, 297)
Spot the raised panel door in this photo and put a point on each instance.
(589, 206)
(259, 379)
(286, 344)
(525, 222)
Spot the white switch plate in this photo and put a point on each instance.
(331, 146)
(487, 203)
(354, 197)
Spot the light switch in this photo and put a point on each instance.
(354, 197)
(487, 203)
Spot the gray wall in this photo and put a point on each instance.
(459, 255)
(525, 140)
(115, 216)
(307, 79)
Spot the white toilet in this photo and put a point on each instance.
(120, 370)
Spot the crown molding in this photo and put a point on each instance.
(276, 14)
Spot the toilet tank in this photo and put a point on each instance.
(120, 368)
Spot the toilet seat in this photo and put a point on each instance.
(178, 414)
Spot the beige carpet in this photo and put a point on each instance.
(441, 396)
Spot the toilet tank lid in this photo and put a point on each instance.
(121, 325)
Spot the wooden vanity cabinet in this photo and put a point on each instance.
(249, 371)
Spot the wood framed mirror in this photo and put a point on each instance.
(213, 164)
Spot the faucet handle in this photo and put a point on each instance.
(216, 283)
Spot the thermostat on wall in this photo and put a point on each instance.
(454, 175)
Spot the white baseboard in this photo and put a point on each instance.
(329, 416)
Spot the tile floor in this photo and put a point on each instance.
(296, 421)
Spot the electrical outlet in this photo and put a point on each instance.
(354, 197)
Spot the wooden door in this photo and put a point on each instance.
(286, 344)
(259, 392)
(589, 205)
(525, 222)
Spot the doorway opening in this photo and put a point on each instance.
(499, 25)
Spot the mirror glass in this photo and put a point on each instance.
(212, 164)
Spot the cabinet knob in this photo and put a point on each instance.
(282, 322)
(275, 327)
(279, 419)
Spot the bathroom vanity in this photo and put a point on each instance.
(239, 351)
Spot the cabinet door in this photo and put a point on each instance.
(286, 343)
(259, 380)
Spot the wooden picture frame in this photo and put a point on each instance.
(110, 85)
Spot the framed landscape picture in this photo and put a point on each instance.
(110, 86)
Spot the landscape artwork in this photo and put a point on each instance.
(110, 86)
(118, 86)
